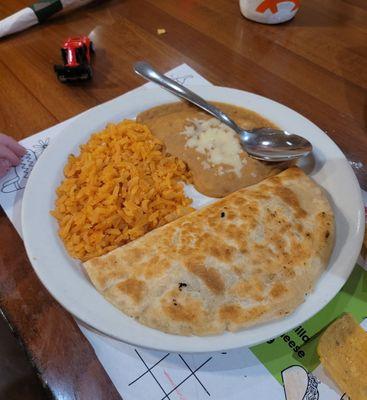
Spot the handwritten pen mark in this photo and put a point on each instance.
(151, 373)
(41, 145)
(190, 375)
(312, 388)
(182, 79)
(170, 380)
(21, 172)
(187, 365)
(149, 369)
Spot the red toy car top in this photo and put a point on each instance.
(76, 55)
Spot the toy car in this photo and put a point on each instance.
(76, 55)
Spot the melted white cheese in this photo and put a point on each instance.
(217, 141)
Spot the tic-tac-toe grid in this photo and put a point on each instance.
(190, 373)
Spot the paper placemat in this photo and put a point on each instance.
(244, 373)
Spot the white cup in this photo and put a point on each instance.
(269, 11)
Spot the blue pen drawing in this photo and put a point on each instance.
(181, 79)
(17, 176)
(41, 145)
(312, 392)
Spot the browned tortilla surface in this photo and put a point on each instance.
(248, 258)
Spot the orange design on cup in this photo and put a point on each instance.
(272, 5)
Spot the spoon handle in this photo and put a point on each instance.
(148, 72)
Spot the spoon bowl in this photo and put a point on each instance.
(270, 144)
(266, 144)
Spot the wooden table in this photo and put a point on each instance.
(315, 64)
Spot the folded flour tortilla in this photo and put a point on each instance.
(248, 258)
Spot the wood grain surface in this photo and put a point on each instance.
(315, 64)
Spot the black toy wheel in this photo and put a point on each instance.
(89, 73)
(92, 48)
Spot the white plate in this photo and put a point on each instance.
(65, 280)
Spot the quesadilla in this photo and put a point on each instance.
(248, 258)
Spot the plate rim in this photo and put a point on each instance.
(181, 348)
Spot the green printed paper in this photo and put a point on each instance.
(298, 347)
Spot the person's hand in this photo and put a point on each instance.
(10, 153)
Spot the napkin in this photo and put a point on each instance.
(36, 13)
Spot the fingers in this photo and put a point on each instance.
(4, 167)
(12, 144)
(17, 148)
(9, 155)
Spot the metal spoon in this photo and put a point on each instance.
(265, 144)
